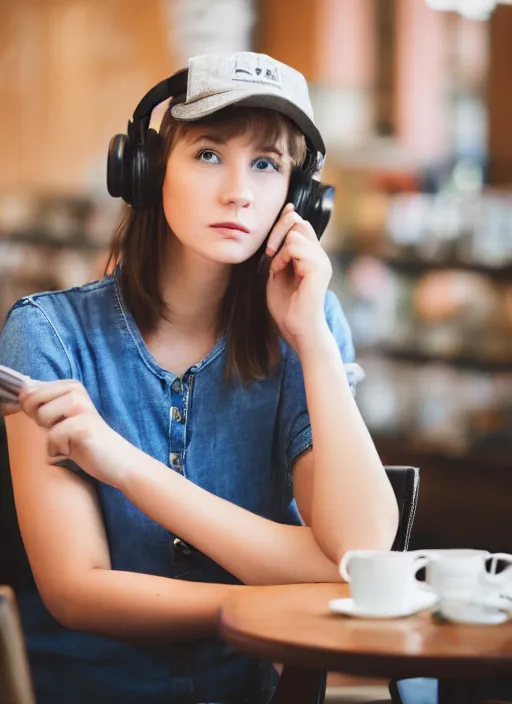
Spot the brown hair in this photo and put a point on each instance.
(139, 246)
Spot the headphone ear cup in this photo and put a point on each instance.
(313, 200)
(138, 177)
(323, 199)
(155, 167)
(146, 171)
(135, 173)
(116, 165)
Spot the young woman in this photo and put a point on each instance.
(201, 401)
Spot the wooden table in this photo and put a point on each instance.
(292, 625)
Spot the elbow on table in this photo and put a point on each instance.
(384, 532)
(380, 536)
(62, 608)
(66, 604)
(380, 533)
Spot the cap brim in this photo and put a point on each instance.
(203, 107)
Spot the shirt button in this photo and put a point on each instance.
(180, 545)
(176, 386)
(175, 460)
(177, 416)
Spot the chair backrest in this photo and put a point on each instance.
(14, 565)
(15, 681)
(406, 484)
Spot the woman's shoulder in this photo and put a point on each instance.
(53, 325)
(61, 302)
(69, 311)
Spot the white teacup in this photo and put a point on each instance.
(381, 581)
(460, 571)
(466, 590)
(455, 574)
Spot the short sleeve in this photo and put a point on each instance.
(30, 344)
(295, 427)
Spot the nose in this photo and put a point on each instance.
(236, 187)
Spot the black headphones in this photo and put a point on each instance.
(135, 168)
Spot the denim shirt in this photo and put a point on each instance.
(237, 442)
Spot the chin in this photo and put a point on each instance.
(231, 261)
(233, 253)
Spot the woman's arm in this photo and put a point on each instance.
(353, 504)
(143, 608)
(64, 536)
(253, 549)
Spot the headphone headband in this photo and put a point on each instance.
(168, 88)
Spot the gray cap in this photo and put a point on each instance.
(218, 80)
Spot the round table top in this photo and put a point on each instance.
(292, 624)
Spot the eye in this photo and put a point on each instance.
(263, 164)
(208, 156)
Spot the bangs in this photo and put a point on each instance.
(267, 128)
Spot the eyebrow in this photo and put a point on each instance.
(209, 137)
(217, 138)
(273, 149)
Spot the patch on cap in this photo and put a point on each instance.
(255, 68)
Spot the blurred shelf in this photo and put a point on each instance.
(414, 266)
(407, 449)
(40, 239)
(462, 361)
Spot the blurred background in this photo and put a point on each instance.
(413, 98)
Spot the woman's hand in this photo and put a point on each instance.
(75, 428)
(8, 409)
(296, 294)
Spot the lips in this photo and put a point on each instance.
(230, 226)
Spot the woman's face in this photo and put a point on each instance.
(222, 196)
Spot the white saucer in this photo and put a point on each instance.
(457, 612)
(501, 601)
(421, 600)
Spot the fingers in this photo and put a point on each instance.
(65, 436)
(307, 257)
(58, 445)
(289, 218)
(7, 409)
(54, 411)
(40, 402)
(10, 402)
(295, 249)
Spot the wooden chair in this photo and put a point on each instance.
(303, 686)
(15, 681)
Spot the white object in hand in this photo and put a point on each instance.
(11, 383)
